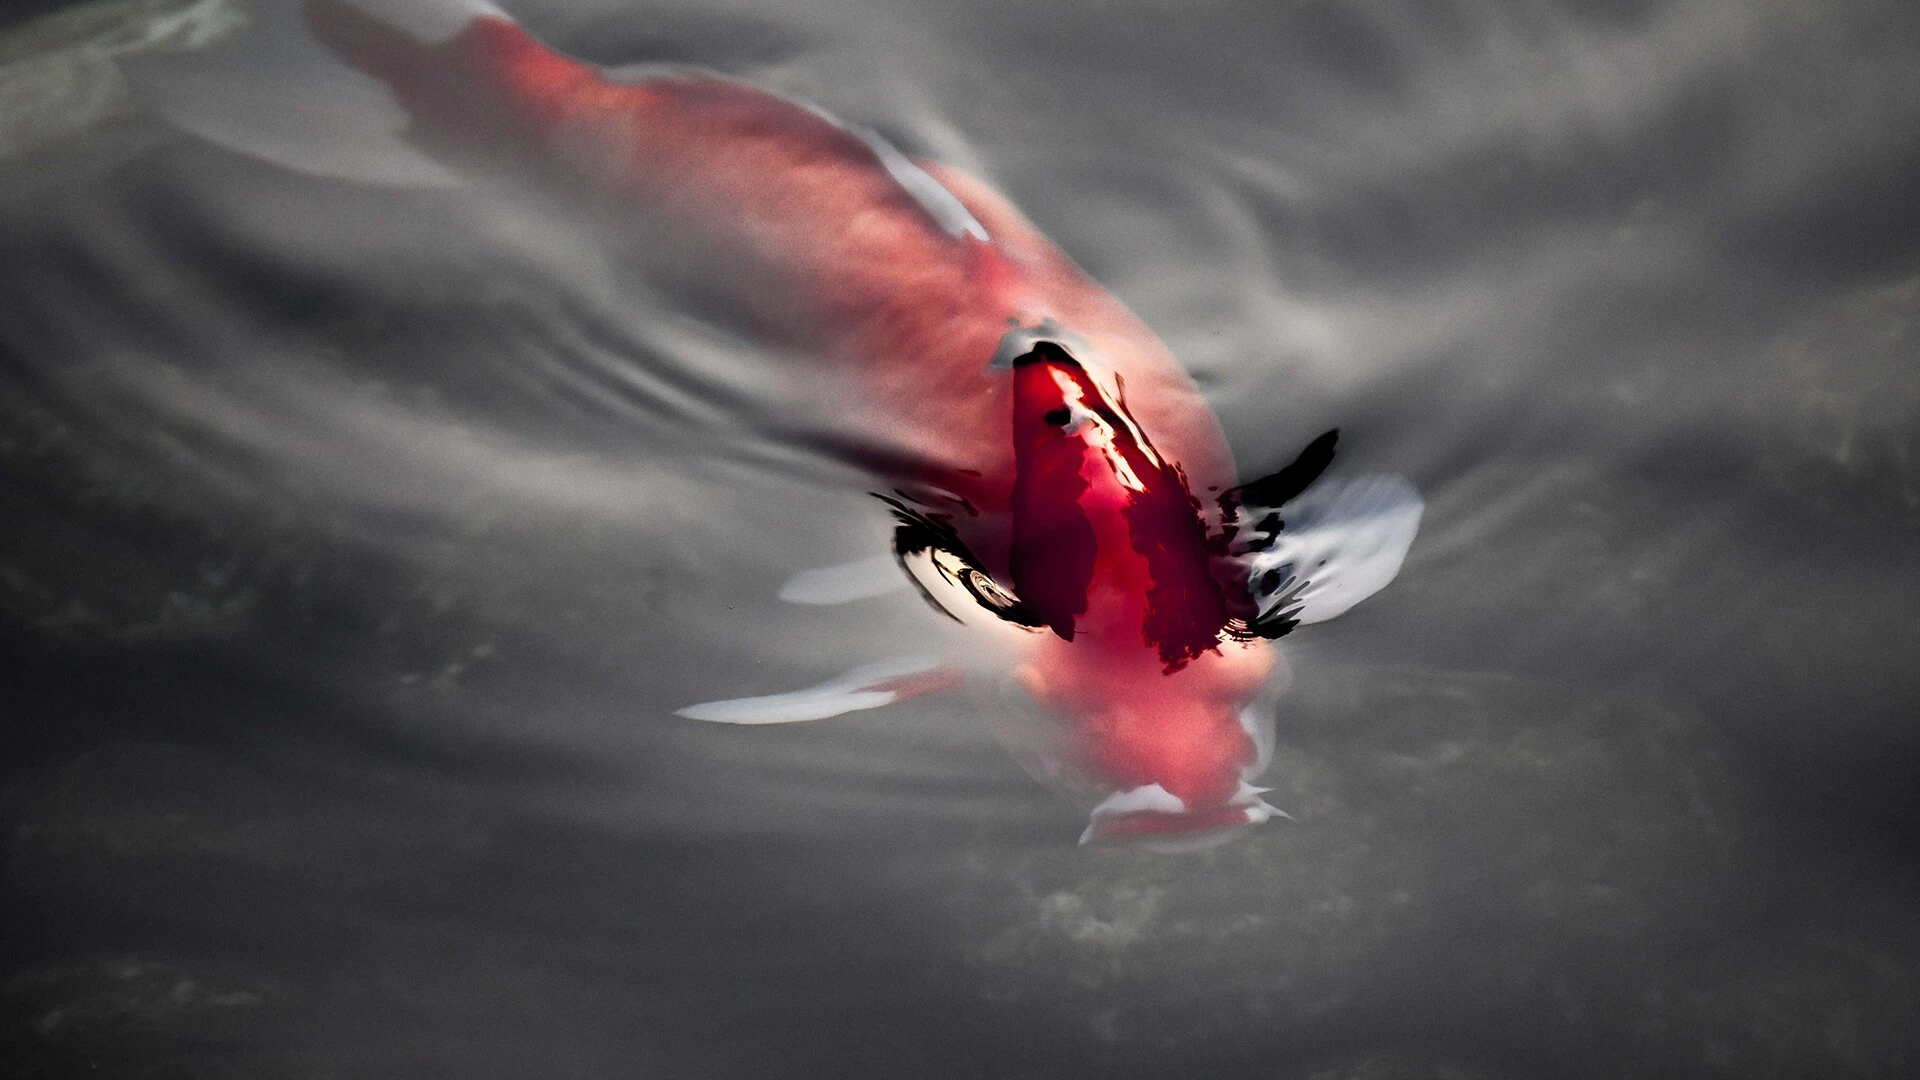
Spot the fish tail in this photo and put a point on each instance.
(324, 86)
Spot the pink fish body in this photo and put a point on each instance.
(1056, 468)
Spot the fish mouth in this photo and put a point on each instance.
(1154, 818)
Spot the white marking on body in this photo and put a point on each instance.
(1147, 798)
(1140, 440)
(1094, 431)
(430, 22)
(940, 204)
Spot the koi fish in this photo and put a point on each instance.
(1054, 478)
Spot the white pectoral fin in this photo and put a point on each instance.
(845, 583)
(1335, 545)
(868, 686)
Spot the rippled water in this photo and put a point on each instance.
(359, 543)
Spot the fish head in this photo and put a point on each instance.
(1156, 711)
(1107, 541)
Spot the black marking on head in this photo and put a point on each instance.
(1057, 417)
(1277, 625)
(1265, 534)
(1020, 344)
(917, 532)
(1186, 610)
(1050, 352)
(1240, 537)
(1278, 593)
(1280, 487)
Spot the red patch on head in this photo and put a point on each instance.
(1057, 553)
(1054, 549)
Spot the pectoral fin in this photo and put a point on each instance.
(949, 577)
(845, 583)
(1314, 557)
(868, 686)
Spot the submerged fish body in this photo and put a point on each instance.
(1052, 468)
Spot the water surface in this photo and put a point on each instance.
(359, 544)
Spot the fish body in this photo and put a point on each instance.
(1048, 460)
(806, 220)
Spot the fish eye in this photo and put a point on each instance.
(1057, 417)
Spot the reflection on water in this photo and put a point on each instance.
(360, 543)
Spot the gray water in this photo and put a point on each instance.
(359, 543)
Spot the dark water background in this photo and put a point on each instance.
(356, 545)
